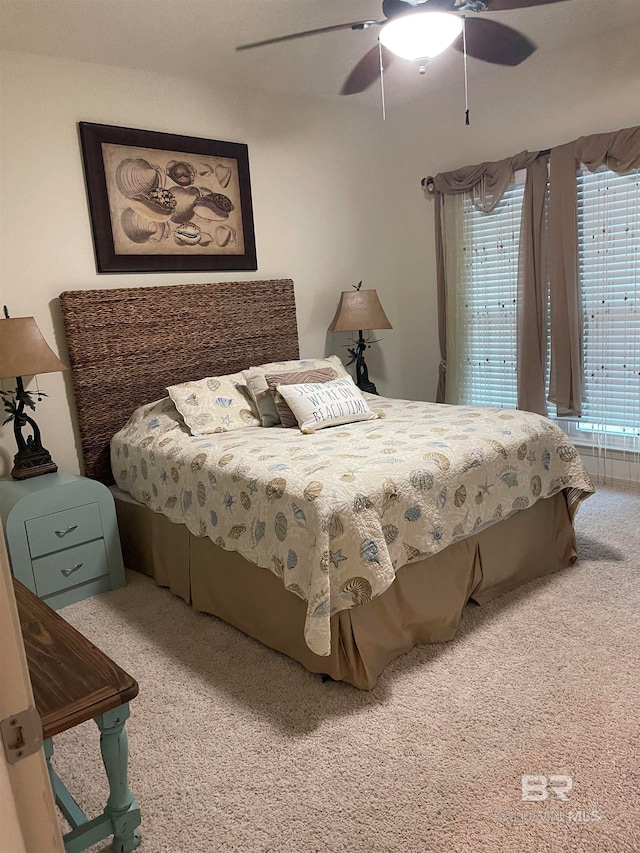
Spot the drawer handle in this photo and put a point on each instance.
(67, 572)
(70, 529)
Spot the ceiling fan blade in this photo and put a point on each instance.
(506, 5)
(494, 42)
(354, 25)
(366, 72)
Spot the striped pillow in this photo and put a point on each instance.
(295, 377)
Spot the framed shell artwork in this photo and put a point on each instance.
(160, 202)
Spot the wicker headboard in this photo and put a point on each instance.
(126, 346)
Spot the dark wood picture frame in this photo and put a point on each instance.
(134, 177)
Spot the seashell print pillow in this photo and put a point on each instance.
(215, 404)
(277, 380)
(319, 405)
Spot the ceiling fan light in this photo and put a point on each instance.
(420, 35)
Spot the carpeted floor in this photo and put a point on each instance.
(234, 747)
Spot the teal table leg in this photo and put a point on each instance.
(121, 807)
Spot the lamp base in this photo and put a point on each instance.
(367, 386)
(33, 463)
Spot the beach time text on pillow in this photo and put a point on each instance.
(319, 405)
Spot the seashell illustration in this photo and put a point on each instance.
(460, 496)
(321, 608)
(245, 500)
(520, 503)
(567, 452)
(458, 530)
(175, 475)
(258, 530)
(225, 402)
(479, 497)
(369, 551)
(313, 490)
(186, 198)
(198, 461)
(359, 589)
(223, 174)
(275, 488)
(182, 173)
(157, 204)
(292, 559)
(202, 529)
(138, 228)
(146, 497)
(171, 502)
(390, 495)
(147, 441)
(143, 468)
(136, 177)
(324, 562)
(225, 459)
(186, 499)
(413, 513)
(281, 526)
(499, 448)
(442, 497)
(125, 450)
(212, 478)
(201, 493)
(438, 459)
(236, 531)
(510, 478)
(546, 459)
(522, 450)
(219, 542)
(361, 502)
(299, 515)
(536, 486)
(224, 235)
(497, 513)
(335, 527)
(213, 384)
(410, 552)
(247, 416)
(278, 566)
(213, 206)
(421, 480)
(473, 459)
(214, 518)
(390, 533)
(188, 234)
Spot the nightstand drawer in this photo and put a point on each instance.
(63, 529)
(67, 568)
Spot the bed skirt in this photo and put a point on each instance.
(423, 605)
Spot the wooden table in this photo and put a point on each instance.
(73, 681)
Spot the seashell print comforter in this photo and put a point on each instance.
(336, 513)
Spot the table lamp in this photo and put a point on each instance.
(358, 310)
(24, 352)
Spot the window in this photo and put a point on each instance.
(609, 270)
(483, 358)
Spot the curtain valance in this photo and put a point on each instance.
(487, 182)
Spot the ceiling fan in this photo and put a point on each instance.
(483, 39)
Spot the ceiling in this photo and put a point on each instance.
(197, 38)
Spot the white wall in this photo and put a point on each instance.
(317, 214)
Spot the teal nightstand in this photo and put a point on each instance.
(62, 536)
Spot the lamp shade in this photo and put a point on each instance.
(23, 350)
(420, 35)
(359, 309)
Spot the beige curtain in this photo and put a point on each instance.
(620, 152)
(486, 183)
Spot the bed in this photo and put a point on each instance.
(341, 549)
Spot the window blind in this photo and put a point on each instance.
(609, 270)
(486, 302)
